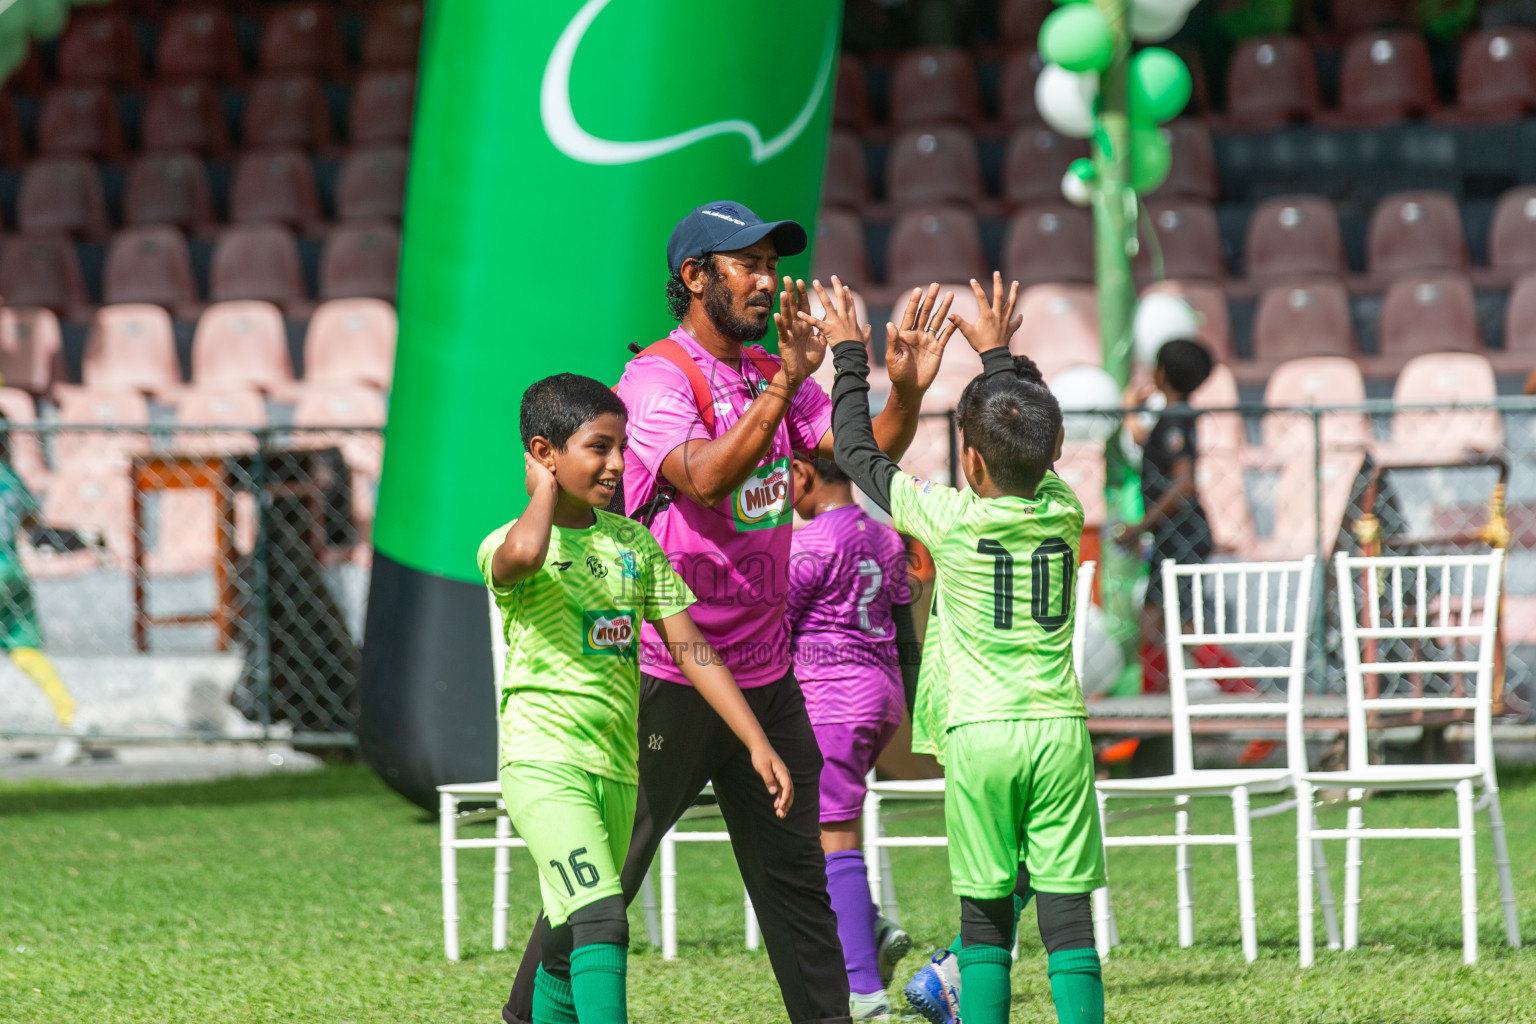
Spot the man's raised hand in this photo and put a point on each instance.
(914, 350)
(995, 322)
(801, 349)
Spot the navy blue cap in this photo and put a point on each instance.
(726, 227)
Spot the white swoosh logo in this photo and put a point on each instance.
(575, 142)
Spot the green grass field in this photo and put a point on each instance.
(317, 899)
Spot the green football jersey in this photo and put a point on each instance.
(571, 690)
(999, 645)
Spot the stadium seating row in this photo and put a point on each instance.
(153, 264)
(279, 184)
(1386, 77)
(290, 109)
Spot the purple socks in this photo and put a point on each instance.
(848, 886)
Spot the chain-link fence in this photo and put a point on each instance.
(187, 582)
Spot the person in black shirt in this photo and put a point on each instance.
(1173, 515)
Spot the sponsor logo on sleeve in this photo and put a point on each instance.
(608, 632)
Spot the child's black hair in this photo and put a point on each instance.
(829, 472)
(1013, 423)
(556, 407)
(1185, 364)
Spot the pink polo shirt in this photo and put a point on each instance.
(734, 556)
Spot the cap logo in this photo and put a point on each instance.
(575, 142)
(724, 216)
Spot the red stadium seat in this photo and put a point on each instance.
(100, 45)
(1209, 301)
(1036, 160)
(371, 184)
(360, 261)
(942, 243)
(1519, 352)
(1019, 21)
(840, 248)
(1351, 16)
(1189, 239)
(287, 110)
(1294, 236)
(79, 120)
(198, 41)
(30, 343)
(1295, 321)
(215, 405)
(1193, 174)
(303, 37)
(103, 452)
(258, 262)
(937, 164)
(1016, 94)
(1422, 314)
(1386, 78)
(934, 84)
(276, 185)
(351, 341)
(131, 347)
(1271, 80)
(185, 115)
(392, 35)
(846, 182)
(343, 406)
(169, 188)
(62, 194)
(1496, 75)
(87, 499)
(1060, 329)
(382, 105)
(1049, 242)
(1414, 231)
(1219, 474)
(1511, 238)
(13, 147)
(1317, 382)
(43, 270)
(242, 344)
(1445, 378)
(850, 107)
(151, 264)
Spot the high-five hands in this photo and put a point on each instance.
(995, 322)
(801, 349)
(839, 319)
(913, 350)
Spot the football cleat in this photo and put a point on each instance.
(934, 991)
(870, 1006)
(892, 943)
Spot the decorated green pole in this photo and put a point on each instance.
(555, 146)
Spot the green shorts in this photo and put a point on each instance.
(1022, 792)
(577, 826)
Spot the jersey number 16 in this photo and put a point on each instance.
(1039, 583)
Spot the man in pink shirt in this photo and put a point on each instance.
(714, 422)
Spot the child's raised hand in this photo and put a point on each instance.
(839, 320)
(770, 767)
(535, 474)
(995, 322)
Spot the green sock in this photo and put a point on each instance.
(1077, 986)
(984, 995)
(597, 982)
(1019, 903)
(552, 1002)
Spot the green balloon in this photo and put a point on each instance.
(46, 18)
(1159, 86)
(13, 53)
(1077, 37)
(1151, 158)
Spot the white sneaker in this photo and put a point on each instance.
(66, 752)
(869, 1006)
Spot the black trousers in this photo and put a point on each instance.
(683, 745)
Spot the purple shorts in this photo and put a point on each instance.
(848, 751)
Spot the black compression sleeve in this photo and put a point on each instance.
(997, 360)
(908, 651)
(853, 436)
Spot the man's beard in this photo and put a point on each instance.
(717, 303)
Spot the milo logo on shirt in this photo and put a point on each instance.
(762, 502)
(608, 632)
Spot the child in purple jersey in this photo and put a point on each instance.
(850, 622)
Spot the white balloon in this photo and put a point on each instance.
(1103, 660)
(1075, 190)
(1065, 99)
(1090, 403)
(1153, 26)
(1160, 318)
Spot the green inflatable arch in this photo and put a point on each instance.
(556, 144)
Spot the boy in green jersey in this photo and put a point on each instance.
(573, 583)
(998, 700)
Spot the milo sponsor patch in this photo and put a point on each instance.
(762, 502)
(608, 632)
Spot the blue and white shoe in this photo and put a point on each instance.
(934, 991)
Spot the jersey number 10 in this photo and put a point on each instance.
(1039, 583)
